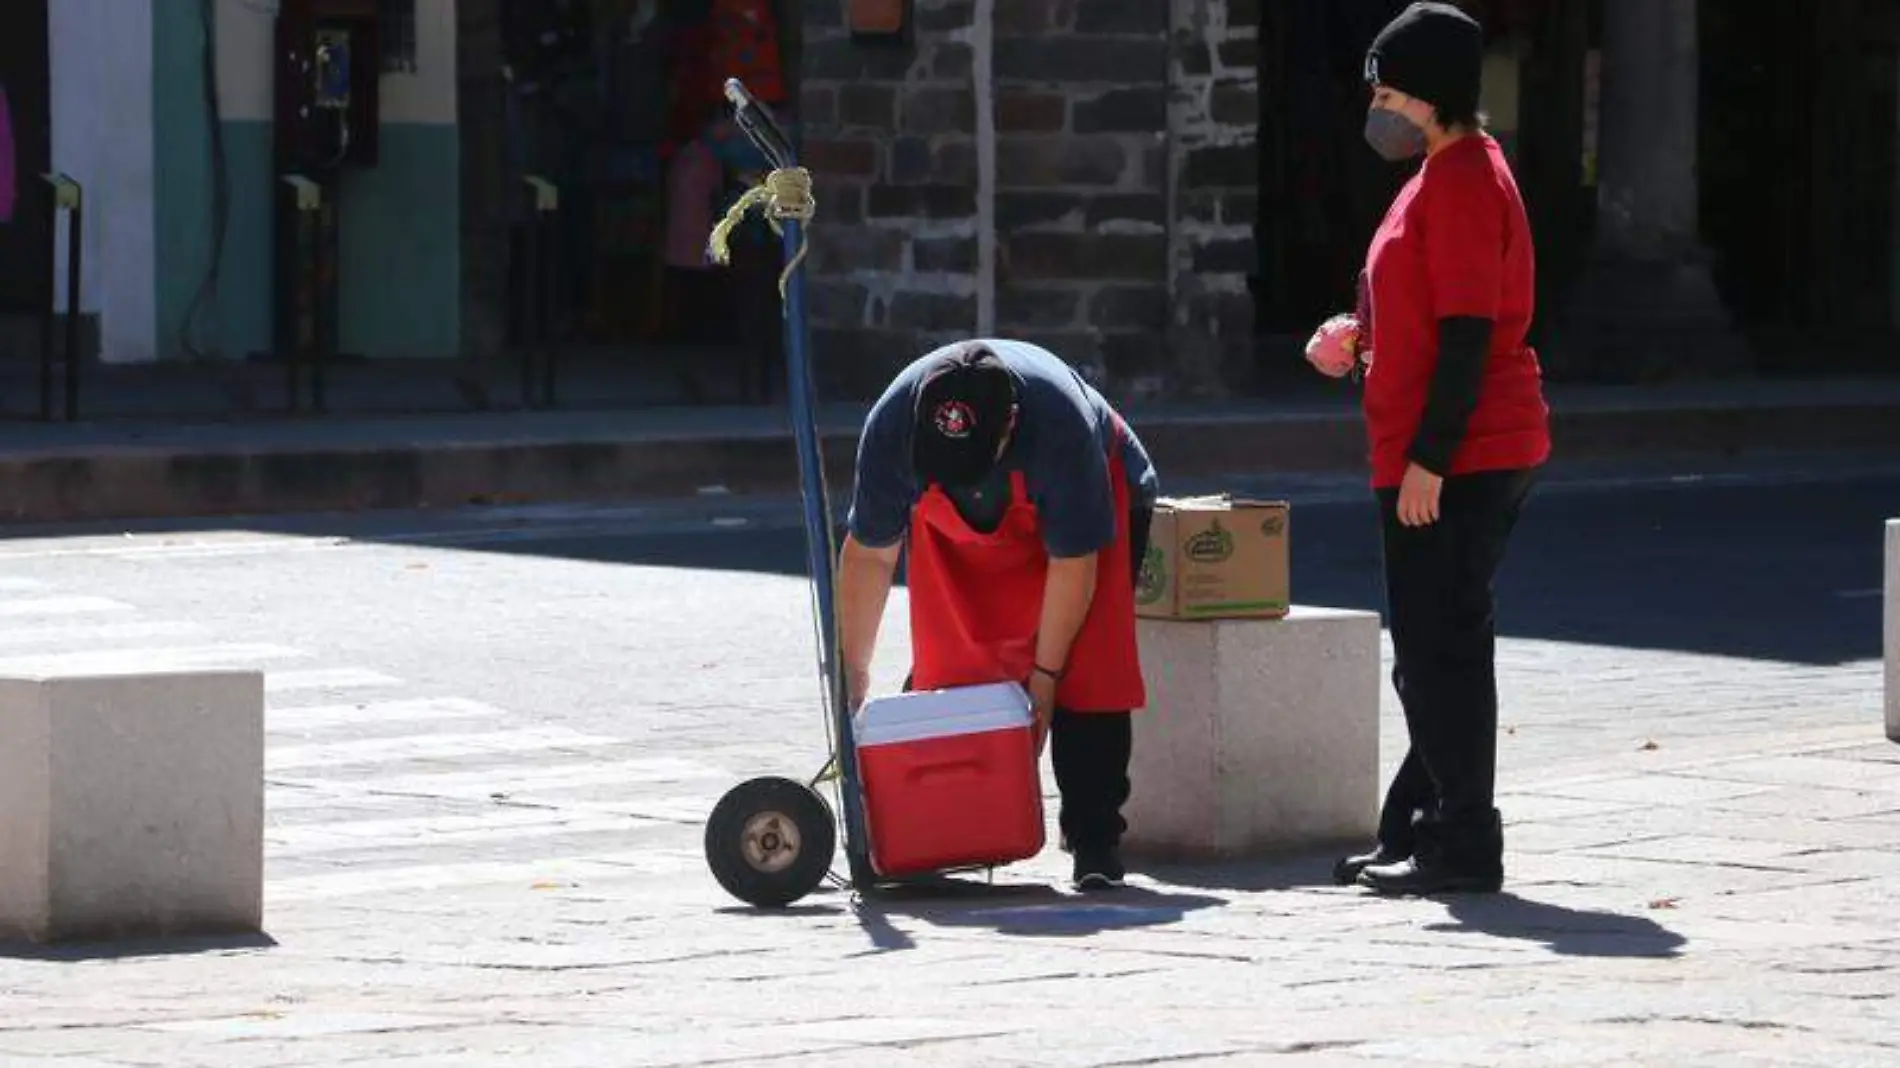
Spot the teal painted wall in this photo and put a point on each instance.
(402, 246)
(400, 251)
(181, 175)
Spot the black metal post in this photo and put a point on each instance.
(66, 195)
(536, 280)
(550, 268)
(49, 313)
(297, 281)
(75, 222)
(530, 306)
(324, 298)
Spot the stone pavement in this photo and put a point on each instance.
(1705, 856)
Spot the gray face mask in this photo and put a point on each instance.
(1392, 135)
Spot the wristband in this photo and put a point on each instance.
(1055, 676)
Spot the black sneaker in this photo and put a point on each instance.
(1099, 869)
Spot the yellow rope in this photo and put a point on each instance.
(784, 194)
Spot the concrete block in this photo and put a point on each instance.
(131, 804)
(1260, 736)
(1892, 629)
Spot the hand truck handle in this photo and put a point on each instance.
(759, 126)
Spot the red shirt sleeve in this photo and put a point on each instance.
(1464, 240)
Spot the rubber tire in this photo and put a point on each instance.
(725, 841)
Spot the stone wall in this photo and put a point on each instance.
(1081, 106)
(1214, 122)
(889, 136)
(1079, 173)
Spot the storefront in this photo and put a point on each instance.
(618, 103)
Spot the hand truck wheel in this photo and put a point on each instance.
(770, 841)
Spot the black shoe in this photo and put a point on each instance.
(1099, 869)
(1426, 877)
(1346, 870)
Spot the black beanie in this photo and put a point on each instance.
(1434, 52)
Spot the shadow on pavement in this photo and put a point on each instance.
(77, 951)
(1305, 870)
(1564, 931)
(1786, 572)
(1021, 909)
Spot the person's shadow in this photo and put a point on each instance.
(1565, 931)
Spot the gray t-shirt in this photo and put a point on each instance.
(1061, 447)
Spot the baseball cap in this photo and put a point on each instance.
(964, 407)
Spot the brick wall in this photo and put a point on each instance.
(890, 140)
(1118, 185)
(1081, 101)
(1214, 122)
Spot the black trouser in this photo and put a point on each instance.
(1441, 610)
(1090, 751)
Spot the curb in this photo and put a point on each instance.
(151, 482)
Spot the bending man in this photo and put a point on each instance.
(1023, 500)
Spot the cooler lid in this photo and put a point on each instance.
(919, 715)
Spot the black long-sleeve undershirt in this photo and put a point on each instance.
(1463, 343)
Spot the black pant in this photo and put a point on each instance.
(1442, 614)
(1090, 751)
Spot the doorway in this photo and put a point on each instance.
(1800, 167)
(619, 104)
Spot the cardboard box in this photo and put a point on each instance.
(1216, 558)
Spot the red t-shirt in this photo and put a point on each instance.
(1456, 242)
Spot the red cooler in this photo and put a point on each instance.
(950, 779)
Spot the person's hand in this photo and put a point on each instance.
(1333, 349)
(1418, 496)
(1042, 705)
(857, 683)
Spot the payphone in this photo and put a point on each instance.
(328, 75)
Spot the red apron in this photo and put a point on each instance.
(976, 603)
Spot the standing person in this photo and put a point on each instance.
(1023, 501)
(1458, 426)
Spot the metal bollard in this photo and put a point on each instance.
(306, 333)
(539, 280)
(68, 196)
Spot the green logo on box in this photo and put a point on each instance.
(1210, 546)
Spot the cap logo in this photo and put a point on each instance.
(1372, 68)
(954, 419)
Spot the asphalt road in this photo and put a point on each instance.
(597, 615)
(686, 626)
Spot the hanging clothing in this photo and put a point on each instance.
(745, 46)
(693, 179)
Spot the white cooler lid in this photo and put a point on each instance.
(919, 715)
